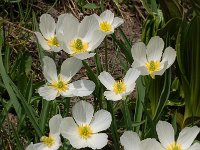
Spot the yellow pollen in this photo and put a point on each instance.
(174, 146)
(53, 41)
(152, 66)
(119, 87)
(85, 131)
(78, 46)
(48, 140)
(61, 85)
(105, 26)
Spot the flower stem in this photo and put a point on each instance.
(126, 115)
(106, 53)
(113, 126)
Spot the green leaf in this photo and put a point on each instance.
(139, 102)
(91, 6)
(164, 96)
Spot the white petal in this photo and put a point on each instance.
(49, 69)
(55, 48)
(54, 124)
(68, 27)
(47, 93)
(143, 70)
(138, 51)
(112, 96)
(70, 67)
(129, 89)
(155, 48)
(42, 41)
(169, 55)
(84, 55)
(195, 146)
(47, 26)
(151, 144)
(57, 143)
(60, 23)
(96, 40)
(130, 77)
(117, 22)
(70, 92)
(78, 142)
(83, 87)
(187, 136)
(101, 121)
(82, 112)
(97, 141)
(107, 15)
(30, 147)
(165, 133)
(130, 140)
(68, 128)
(164, 67)
(107, 80)
(87, 27)
(40, 146)
(64, 46)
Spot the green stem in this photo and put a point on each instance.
(115, 136)
(106, 53)
(67, 105)
(127, 116)
(44, 115)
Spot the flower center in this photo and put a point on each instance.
(105, 26)
(119, 87)
(174, 146)
(53, 41)
(85, 131)
(78, 46)
(48, 140)
(152, 66)
(61, 85)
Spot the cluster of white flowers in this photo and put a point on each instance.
(79, 40)
(130, 140)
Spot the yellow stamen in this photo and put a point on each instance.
(61, 85)
(174, 146)
(119, 87)
(53, 41)
(105, 26)
(48, 140)
(152, 66)
(85, 131)
(78, 46)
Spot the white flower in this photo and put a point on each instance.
(119, 89)
(60, 84)
(148, 59)
(131, 141)
(185, 139)
(83, 129)
(107, 22)
(48, 39)
(30, 147)
(79, 38)
(52, 141)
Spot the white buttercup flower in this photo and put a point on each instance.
(107, 22)
(83, 129)
(131, 141)
(185, 139)
(119, 89)
(148, 59)
(60, 84)
(52, 141)
(79, 39)
(48, 39)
